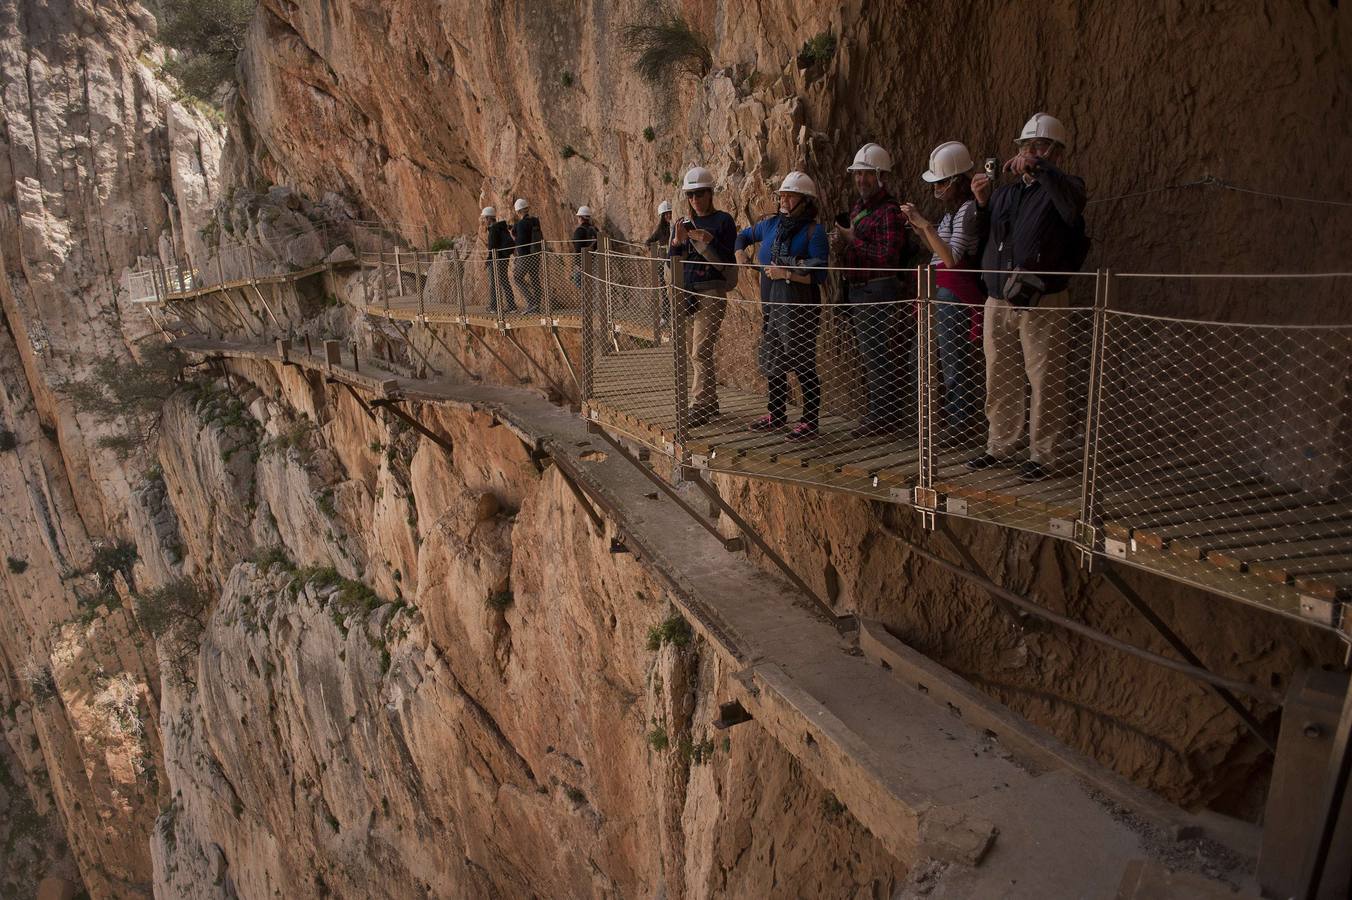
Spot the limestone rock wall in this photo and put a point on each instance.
(423, 112)
(485, 723)
(99, 165)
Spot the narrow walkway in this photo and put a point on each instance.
(925, 782)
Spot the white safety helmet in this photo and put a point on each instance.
(948, 159)
(520, 204)
(1043, 126)
(697, 179)
(584, 212)
(871, 158)
(798, 183)
(488, 213)
(664, 207)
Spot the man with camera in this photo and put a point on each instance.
(1034, 225)
(704, 239)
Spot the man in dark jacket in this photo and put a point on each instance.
(529, 252)
(499, 239)
(1034, 225)
(707, 237)
(585, 237)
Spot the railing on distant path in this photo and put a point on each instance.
(1219, 454)
(1216, 453)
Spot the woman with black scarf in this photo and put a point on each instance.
(793, 254)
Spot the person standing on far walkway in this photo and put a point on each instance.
(1034, 225)
(704, 239)
(529, 252)
(584, 238)
(873, 239)
(499, 239)
(793, 255)
(956, 245)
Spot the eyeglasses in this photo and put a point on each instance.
(1042, 145)
(690, 195)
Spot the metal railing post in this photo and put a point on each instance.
(546, 295)
(655, 271)
(253, 270)
(420, 279)
(398, 275)
(608, 317)
(925, 499)
(220, 270)
(589, 341)
(1087, 525)
(382, 282)
(680, 362)
(460, 290)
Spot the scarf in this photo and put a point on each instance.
(785, 232)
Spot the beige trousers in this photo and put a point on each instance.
(1033, 344)
(704, 328)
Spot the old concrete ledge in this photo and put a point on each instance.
(977, 801)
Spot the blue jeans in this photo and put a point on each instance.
(885, 334)
(959, 361)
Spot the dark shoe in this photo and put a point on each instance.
(767, 422)
(803, 431)
(701, 415)
(1033, 471)
(985, 461)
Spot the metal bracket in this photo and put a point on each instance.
(1062, 528)
(1086, 535)
(926, 499)
(1318, 609)
(1114, 549)
(699, 461)
(955, 506)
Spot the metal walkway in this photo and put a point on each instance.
(1211, 453)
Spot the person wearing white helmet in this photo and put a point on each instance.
(662, 231)
(793, 253)
(661, 237)
(704, 239)
(869, 241)
(955, 244)
(584, 238)
(1034, 225)
(529, 239)
(498, 236)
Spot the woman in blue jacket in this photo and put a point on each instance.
(791, 243)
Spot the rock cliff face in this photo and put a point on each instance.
(99, 166)
(426, 111)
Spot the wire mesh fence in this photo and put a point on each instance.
(1218, 453)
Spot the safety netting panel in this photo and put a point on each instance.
(523, 301)
(1004, 398)
(808, 380)
(630, 370)
(1222, 455)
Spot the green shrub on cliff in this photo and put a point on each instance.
(209, 35)
(817, 49)
(129, 393)
(667, 47)
(176, 613)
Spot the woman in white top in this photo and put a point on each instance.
(955, 243)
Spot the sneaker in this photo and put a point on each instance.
(766, 422)
(984, 461)
(1033, 471)
(802, 431)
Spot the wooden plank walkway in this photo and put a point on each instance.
(1230, 531)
